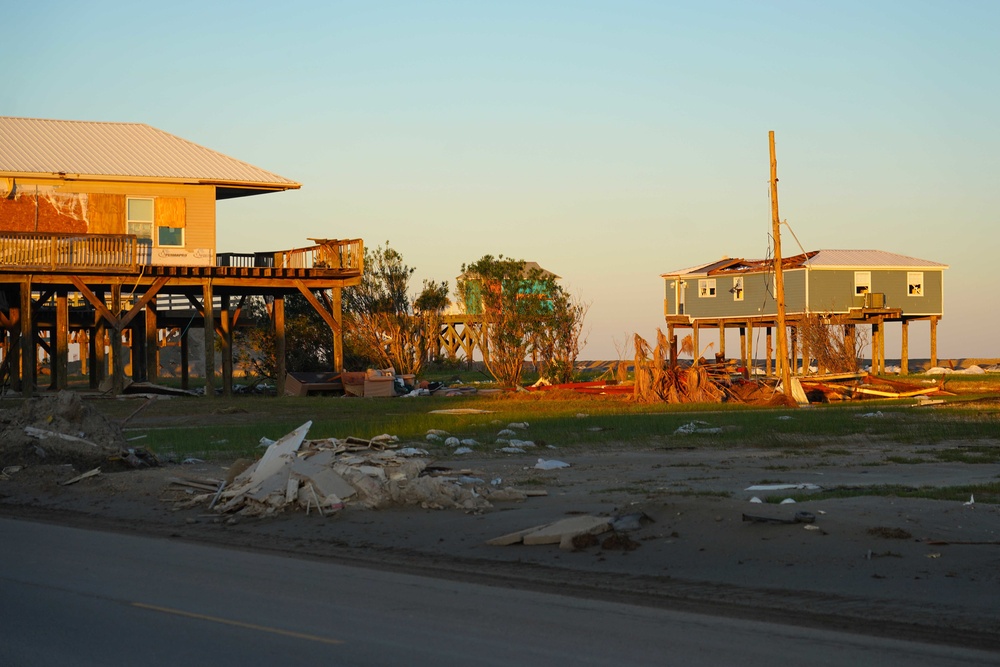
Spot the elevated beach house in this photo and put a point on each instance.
(842, 287)
(108, 235)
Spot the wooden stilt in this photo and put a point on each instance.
(336, 308)
(934, 359)
(672, 339)
(83, 346)
(60, 360)
(768, 368)
(208, 307)
(29, 350)
(904, 352)
(695, 344)
(226, 332)
(185, 359)
(722, 340)
(851, 341)
(152, 335)
(279, 344)
(793, 351)
(743, 345)
(117, 349)
(876, 348)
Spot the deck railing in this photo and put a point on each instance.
(123, 252)
(55, 252)
(327, 254)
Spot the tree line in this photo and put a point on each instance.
(522, 311)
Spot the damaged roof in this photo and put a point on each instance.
(124, 151)
(815, 259)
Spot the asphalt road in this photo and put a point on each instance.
(76, 597)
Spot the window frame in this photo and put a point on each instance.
(707, 288)
(862, 283)
(918, 283)
(131, 224)
(738, 288)
(161, 244)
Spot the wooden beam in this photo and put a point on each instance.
(97, 303)
(144, 299)
(317, 306)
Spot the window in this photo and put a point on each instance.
(915, 283)
(140, 219)
(170, 236)
(737, 288)
(862, 282)
(706, 287)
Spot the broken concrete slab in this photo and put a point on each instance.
(555, 533)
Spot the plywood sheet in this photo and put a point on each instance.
(170, 211)
(106, 213)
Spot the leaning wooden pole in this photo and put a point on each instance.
(779, 281)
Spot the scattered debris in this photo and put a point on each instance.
(518, 425)
(619, 541)
(551, 464)
(800, 517)
(561, 532)
(782, 487)
(329, 474)
(89, 473)
(890, 533)
(696, 427)
(69, 431)
(627, 522)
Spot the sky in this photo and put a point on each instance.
(610, 142)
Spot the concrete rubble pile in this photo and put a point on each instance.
(326, 475)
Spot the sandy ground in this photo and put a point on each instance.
(902, 567)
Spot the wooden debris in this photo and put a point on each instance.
(42, 434)
(89, 473)
(561, 532)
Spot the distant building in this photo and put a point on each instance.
(848, 287)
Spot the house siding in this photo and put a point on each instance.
(833, 290)
(757, 296)
(98, 207)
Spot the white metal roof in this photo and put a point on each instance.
(849, 259)
(123, 150)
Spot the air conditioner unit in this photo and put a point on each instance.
(875, 300)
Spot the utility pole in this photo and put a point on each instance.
(779, 279)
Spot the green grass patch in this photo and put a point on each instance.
(226, 427)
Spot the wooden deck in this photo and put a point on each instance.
(116, 292)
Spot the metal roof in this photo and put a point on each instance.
(816, 259)
(130, 151)
(849, 259)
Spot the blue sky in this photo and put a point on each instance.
(610, 142)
